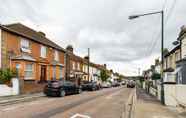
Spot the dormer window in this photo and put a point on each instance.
(56, 56)
(43, 51)
(25, 47)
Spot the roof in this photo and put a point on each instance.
(24, 57)
(77, 58)
(31, 34)
(182, 32)
(173, 50)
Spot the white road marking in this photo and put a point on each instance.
(80, 116)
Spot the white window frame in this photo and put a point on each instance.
(60, 72)
(43, 51)
(31, 70)
(78, 66)
(56, 55)
(73, 65)
(54, 72)
(25, 45)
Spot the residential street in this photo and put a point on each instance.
(106, 103)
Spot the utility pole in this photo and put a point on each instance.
(139, 69)
(162, 56)
(88, 63)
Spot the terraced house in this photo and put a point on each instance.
(36, 57)
(76, 66)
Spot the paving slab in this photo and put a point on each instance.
(148, 106)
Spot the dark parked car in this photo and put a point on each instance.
(90, 86)
(61, 88)
(115, 84)
(130, 84)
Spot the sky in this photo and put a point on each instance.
(103, 26)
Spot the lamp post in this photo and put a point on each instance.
(162, 44)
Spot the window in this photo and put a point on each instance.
(78, 66)
(61, 72)
(177, 56)
(43, 51)
(56, 56)
(73, 66)
(29, 71)
(25, 46)
(54, 72)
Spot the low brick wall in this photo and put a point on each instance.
(31, 87)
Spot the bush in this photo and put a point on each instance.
(6, 75)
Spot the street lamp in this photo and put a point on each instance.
(162, 44)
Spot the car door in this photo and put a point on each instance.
(73, 88)
(67, 87)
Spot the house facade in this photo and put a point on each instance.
(35, 57)
(75, 66)
(170, 61)
(181, 64)
(79, 70)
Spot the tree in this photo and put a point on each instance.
(165, 51)
(104, 75)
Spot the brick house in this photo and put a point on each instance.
(36, 58)
(76, 66)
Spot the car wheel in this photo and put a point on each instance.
(62, 93)
(93, 89)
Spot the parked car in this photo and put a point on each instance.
(61, 88)
(123, 82)
(90, 86)
(115, 84)
(106, 85)
(130, 84)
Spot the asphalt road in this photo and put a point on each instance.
(106, 103)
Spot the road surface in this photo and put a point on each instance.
(106, 103)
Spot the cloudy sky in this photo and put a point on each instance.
(103, 26)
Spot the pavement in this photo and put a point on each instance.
(106, 103)
(6, 100)
(148, 106)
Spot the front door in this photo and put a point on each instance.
(43, 73)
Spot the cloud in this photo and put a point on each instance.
(102, 26)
